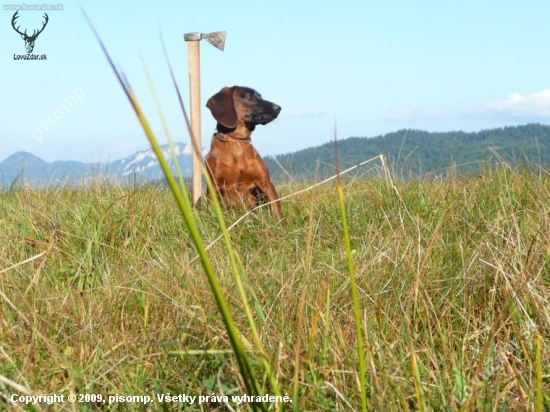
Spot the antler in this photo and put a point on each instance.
(42, 29)
(34, 34)
(13, 24)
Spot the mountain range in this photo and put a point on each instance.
(409, 153)
(143, 166)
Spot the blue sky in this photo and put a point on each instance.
(375, 67)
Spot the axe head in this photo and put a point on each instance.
(216, 39)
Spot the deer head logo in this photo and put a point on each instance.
(29, 40)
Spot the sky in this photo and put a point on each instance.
(369, 67)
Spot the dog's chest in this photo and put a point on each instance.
(240, 163)
(233, 166)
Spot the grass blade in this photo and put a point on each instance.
(233, 258)
(353, 284)
(185, 208)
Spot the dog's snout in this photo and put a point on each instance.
(276, 108)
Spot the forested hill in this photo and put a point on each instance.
(420, 153)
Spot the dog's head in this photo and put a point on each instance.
(236, 105)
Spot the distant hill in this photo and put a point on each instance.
(143, 166)
(409, 153)
(420, 153)
(23, 166)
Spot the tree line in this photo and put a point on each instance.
(417, 153)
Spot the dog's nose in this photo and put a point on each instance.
(276, 108)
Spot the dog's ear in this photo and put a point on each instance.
(222, 107)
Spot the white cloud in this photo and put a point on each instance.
(518, 105)
(515, 106)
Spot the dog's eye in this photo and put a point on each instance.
(248, 96)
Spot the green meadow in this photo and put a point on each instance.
(444, 286)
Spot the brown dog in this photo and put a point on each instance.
(238, 172)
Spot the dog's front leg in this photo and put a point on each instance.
(271, 196)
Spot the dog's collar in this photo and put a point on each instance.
(228, 138)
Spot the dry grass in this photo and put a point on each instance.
(453, 279)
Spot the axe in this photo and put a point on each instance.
(216, 39)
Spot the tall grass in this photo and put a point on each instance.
(453, 274)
